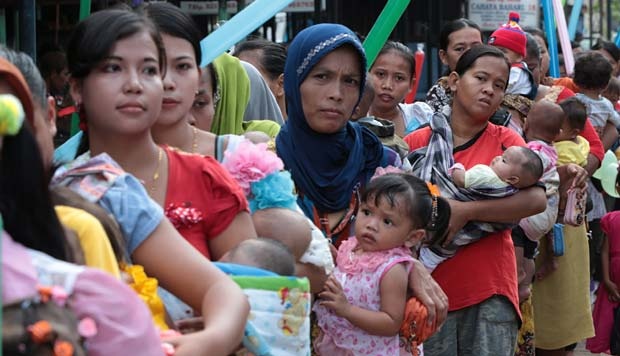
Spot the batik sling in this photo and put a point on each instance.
(431, 163)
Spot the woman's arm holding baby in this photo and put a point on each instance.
(524, 203)
(386, 321)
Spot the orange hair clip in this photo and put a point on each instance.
(434, 189)
(41, 331)
(63, 348)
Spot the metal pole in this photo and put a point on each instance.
(2, 26)
(84, 9)
(27, 28)
(57, 23)
(317, 11)
(84, 13)
(600, 18)
(591, 29)
(223, 11)
(16, 21)
(609, 19)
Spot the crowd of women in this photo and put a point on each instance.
(174, 171)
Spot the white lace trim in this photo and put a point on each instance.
(318, 252)
(318, 48)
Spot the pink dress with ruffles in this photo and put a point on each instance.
(360, 277)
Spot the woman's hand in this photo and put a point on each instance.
(424, 287)
(612, 290)
(459, 217)
(333, 298)
(548, 81)
(579, 175)
(572, 176)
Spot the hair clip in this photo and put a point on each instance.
(434, 192)
(11, 115)
(433, 189)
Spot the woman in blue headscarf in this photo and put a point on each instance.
(329, 157)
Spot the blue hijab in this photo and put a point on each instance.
(325, 167)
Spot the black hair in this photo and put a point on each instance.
(52, 62)
(402, 50)
(210, 71)
(576, 112)
(592, 71)
(453, 26)
(29, 70)
(532, 48)
(536, 32)
(173, 21)
(272, 58)
(25, 203)
(609, 47)
(416, 195)
(533, 165)
(268, 254)
(468, 59)
(93, 39)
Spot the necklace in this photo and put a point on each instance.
(194, 140)
(153, 187)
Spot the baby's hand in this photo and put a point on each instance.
(454, 167)
(204, 342)
(333, 298)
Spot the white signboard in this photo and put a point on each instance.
(213, 7)
(207, 7)
(490, 14)
(299, 6)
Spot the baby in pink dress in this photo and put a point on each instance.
(361, 307)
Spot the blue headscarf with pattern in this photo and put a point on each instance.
(325, 167)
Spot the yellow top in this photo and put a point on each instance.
(98, 252)
(573, 152)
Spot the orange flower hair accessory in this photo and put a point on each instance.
(41, 332)
(434, 189)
